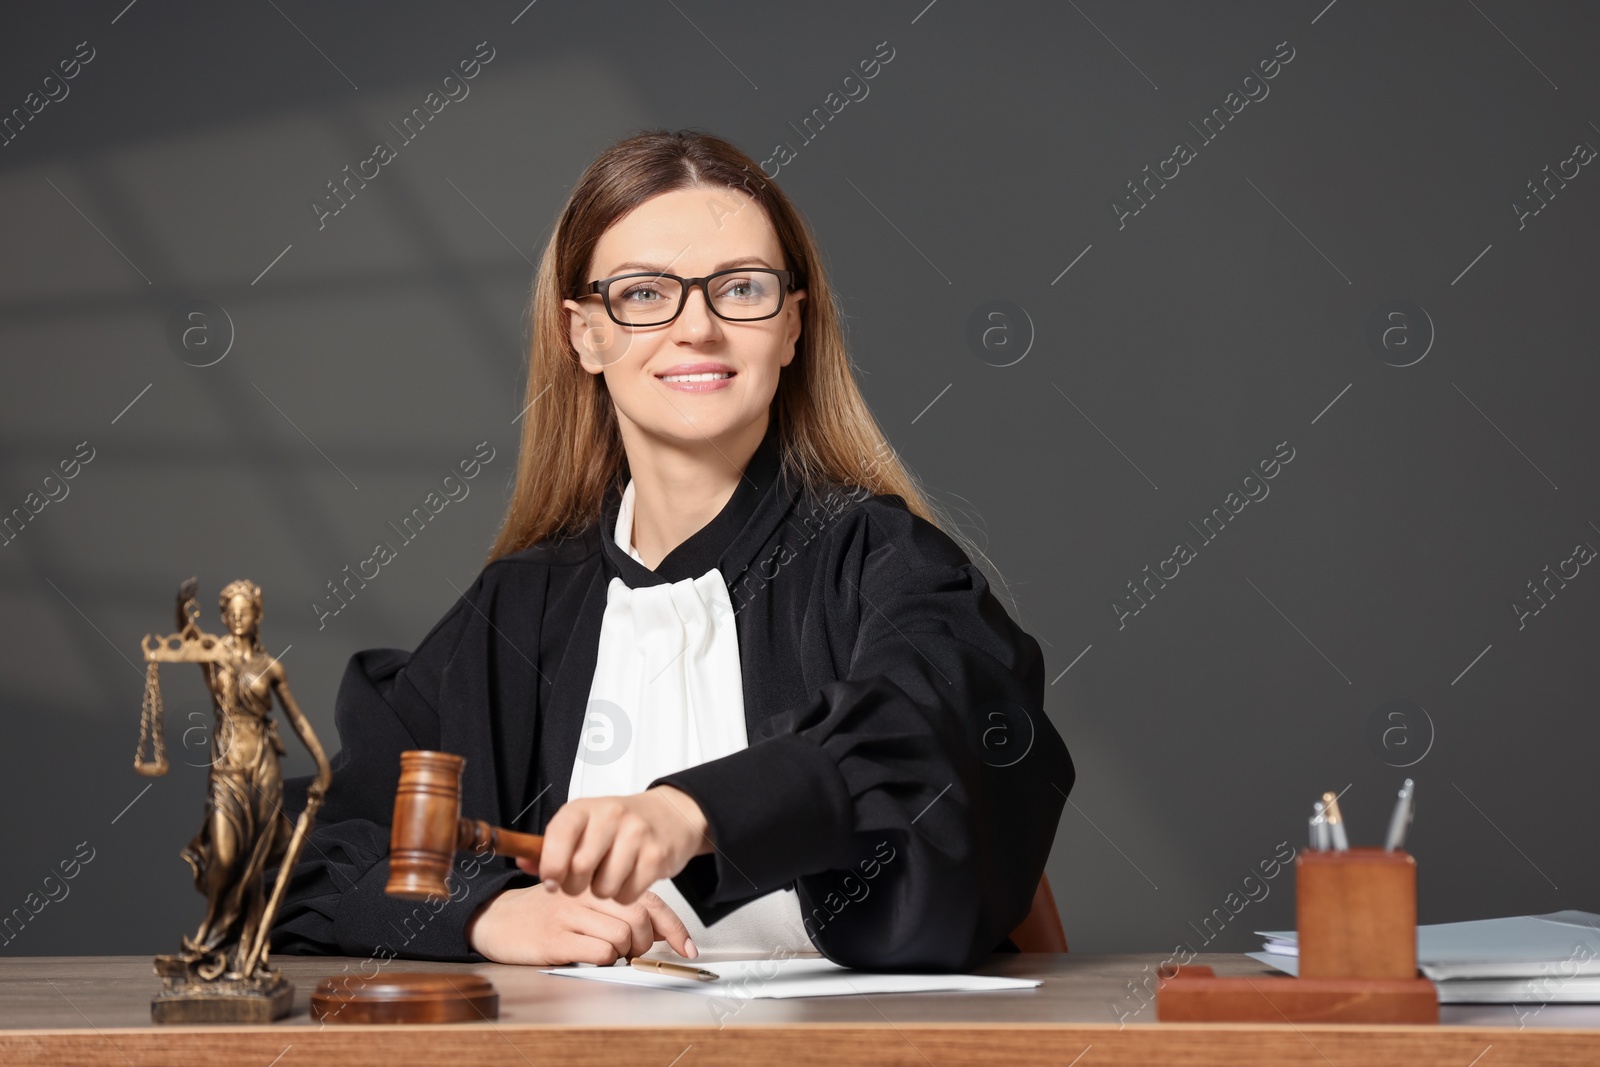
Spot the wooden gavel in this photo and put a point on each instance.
(428, 829)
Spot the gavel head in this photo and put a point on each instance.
(427, 814)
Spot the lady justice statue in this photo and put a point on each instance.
(222, 974)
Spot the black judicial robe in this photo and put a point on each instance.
(901, 773)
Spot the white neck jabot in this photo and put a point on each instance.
(668, 694)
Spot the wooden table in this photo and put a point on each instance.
(96, 1009)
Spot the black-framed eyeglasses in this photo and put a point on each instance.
(742, 294)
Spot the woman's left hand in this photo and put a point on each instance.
(618, 847)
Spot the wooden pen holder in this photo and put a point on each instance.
(1356, 923)
(1356, 913)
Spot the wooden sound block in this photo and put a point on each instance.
(406, 997)
(1196, 994)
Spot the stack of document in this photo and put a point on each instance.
(1525, 959)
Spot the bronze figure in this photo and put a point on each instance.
(222, 973)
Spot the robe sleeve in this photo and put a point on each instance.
(334, 903)
(911, 802)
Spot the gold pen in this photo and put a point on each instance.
(677, 970)
(1335, 818)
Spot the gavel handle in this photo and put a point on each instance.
(475, 835)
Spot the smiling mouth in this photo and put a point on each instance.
(709, 376)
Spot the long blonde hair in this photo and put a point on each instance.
(571, 448)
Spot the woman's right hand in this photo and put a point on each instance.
(543, 926)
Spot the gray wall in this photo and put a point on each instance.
(1340, 269)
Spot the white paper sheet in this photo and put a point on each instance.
(796, 977)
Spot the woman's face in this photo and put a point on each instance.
(240, 615)
(691, 233)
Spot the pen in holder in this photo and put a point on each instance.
(1356, 922)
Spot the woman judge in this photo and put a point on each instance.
(723, 656)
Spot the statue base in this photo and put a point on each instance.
(186, 997)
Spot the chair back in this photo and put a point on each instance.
(1041, 930)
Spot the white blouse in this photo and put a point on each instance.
(668, 694)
